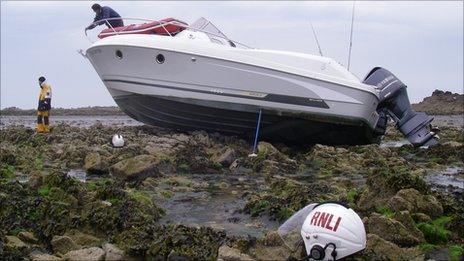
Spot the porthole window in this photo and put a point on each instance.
(119, 54)
(160, 58)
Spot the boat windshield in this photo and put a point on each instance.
(205, 26)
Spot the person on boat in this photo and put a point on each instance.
(43, 110)
(105, 12)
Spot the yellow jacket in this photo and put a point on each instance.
(45, 97)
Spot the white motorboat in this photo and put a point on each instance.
(192, 77)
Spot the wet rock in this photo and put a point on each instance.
(237, 168)
(93, 163)
(405, 218)
(83, 239)
(438, 254)
(390, 229)
(261, 252)
(452, 144)
(136, 168)
(90, 254)
(384, 183)
(195, 243)
(226, 253)
(271, 239)
(415, 202)
(14, 244)
(63, 244)
(287, 196)
(267, 149)
(44, 257)
(421, 218)
(226, 158)
(112, 252)
(378, 248)
(28, 237)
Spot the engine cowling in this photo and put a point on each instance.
(394, 102)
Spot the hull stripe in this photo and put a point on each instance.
(302, 101)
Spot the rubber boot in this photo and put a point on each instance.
(40, 128)
(46, 128)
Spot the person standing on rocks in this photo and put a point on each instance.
(43, 110)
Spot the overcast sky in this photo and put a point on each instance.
(420, 42)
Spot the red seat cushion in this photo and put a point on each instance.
(146, 28)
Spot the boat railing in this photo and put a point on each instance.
(163, 25)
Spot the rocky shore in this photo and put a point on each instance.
(442, 103)
(83, 111)
(69, 195)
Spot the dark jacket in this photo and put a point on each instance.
(108, 12)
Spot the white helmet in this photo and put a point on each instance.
(117, 141)
(330, 231)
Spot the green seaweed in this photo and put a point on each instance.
(435, 231)
(8, 172)
(386, 211)
(456, 252)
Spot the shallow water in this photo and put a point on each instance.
(78, 121)
(447, 177)
(394, 143)
(216, 207)
(81, 175)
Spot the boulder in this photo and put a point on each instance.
(28, 237)
(378, 248)
(226, 158)
(391, 230)
(93, 163)
(83, 239)
(415, 202)
(405, 218)
(14, 244)
(63, 244)
(226, 253)
(44, 257)
(421, 218)
(136, 168)
(271, 239)
(267, 148)
(88, 254)
(112, 252)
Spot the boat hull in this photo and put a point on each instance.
(190, 115)
(194, 92)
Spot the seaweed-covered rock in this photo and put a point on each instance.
(44, 257)
(195, 243)
(15, 244)
(136, 168)
(83, 239)
(63, 244)
(226, 158)
(226, 253)
(286, 196)
(267, 149)
(384, 183)
(415, 202)
(90, 254)
(94, 163)
(112, 252)
(391, 230)
(27, 237)
(405, 218)
(378, 248)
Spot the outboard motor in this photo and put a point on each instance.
(394, 102)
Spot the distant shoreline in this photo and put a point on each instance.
(439, 103)
(83, 111)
